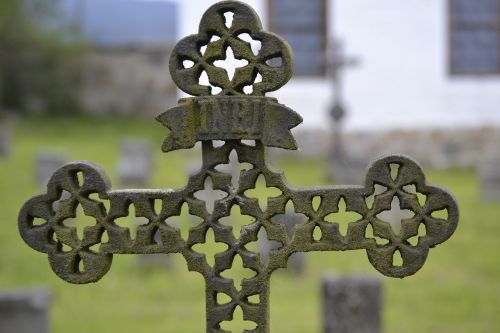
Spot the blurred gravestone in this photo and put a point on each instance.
(352, 304)
(46, 163)
(24, 311)
(134, 168)
(450, 155)
(297, 261)
(4, 143)
(489, 180)
(135, 163)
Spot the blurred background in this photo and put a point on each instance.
(83, 80)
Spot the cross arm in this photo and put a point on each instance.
(433, 209)
(86, 258)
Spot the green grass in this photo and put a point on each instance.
(458, 290)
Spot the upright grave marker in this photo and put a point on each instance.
(240, 111)
(4, 143)
(135, 162)
(489, 180)
(24, 311)
(46, 164)
(352, 304)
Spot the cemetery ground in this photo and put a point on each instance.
(457, 290)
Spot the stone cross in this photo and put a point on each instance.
(337, 62)
(234, 110)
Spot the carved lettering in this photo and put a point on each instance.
(233, 118)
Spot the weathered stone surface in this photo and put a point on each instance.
(47, 163)
(352, 304)
(135, 163)
(24, 311)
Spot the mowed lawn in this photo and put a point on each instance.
(458, 290)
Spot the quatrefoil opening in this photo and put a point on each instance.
(437, 230)
(70, 256)
(264, 61)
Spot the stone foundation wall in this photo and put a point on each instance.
(439, 148)
(130, 81)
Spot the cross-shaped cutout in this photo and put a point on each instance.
(262, 192)
(236, 220)
(230, 64)
(238, 324)
(343, 217)
(183, 221)
(233, 167)
(395, 215)
(210, 247)
(130, 223)
(81, 222)
(237, 272)
(209, 195)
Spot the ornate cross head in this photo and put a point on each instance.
(247, 122)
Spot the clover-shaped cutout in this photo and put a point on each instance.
(261, 61)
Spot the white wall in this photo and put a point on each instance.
(402, 80)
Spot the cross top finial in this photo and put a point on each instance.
(231, 27)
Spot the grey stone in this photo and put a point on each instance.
(135, 162)
(347, 170)
(46, 164)
(4, 143)
(24, 311)
(489, 180)
(352, 304)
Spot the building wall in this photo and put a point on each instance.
(129, 81)
(402, 81)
